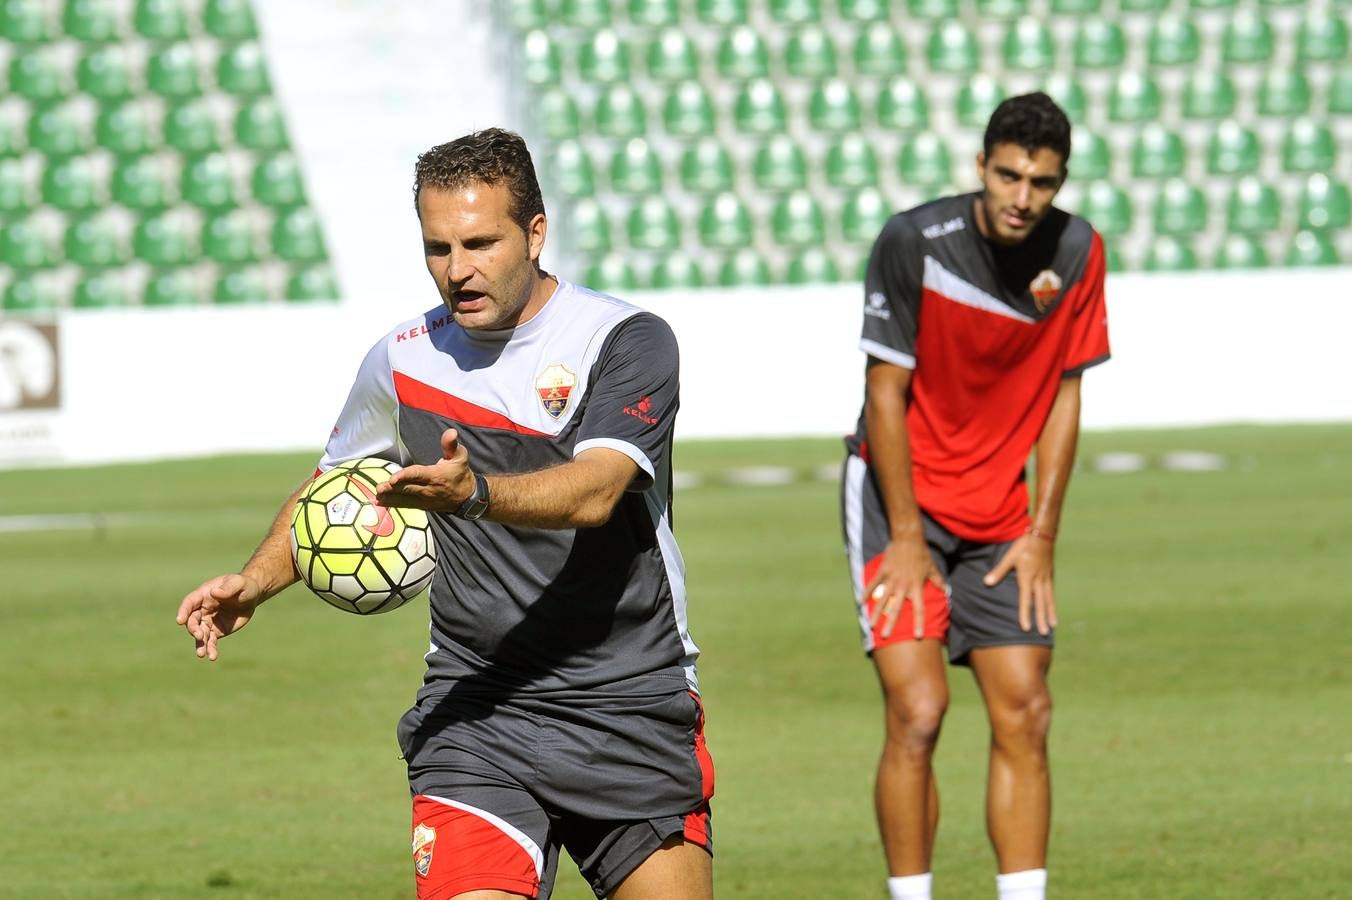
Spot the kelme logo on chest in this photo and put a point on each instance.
(554, 385)
(1045, 288)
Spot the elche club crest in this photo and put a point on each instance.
(1045, 288)
(424, 840)
(554, 385)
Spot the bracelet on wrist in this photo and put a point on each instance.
(1048, 536)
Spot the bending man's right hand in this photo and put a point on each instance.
(220, 606)
(905, 568)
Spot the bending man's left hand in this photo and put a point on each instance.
(442, 487)
(1031, 559)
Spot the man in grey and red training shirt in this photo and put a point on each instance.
(534, 419)
(981, 312)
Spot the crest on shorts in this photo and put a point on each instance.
(1045, 288)
(424, 839)
(554, 385)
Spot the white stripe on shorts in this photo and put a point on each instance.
(856, 471)
(532, 849)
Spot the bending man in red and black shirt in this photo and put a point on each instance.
(981, 312)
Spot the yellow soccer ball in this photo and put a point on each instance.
(353, 553)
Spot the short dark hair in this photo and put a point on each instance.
(491, 156)
(1032, 121)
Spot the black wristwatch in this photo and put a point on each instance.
(474, 508)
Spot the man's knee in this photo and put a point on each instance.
(913, 721)
(1023, 720)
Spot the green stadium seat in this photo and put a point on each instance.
(1158, 153)
(524, 15)
(779, 165)
(259, 125)
(1076, 7)
(725, 222)
(672, 56)
(243, 285)
(865, 10)
(932, 9)
(35, 292)
(590, 226)
(1143, 6)
(556, 111)
(809, 53)
(654, 13)
(314, 282)
(40, 75)
(277, 182)
(572, 170)
(74, 184)
(1091, 157)
(25, 22)
(1134, 97)
(1248, 38)
(1001, 9)
(230, 20)
(604, 59)
(721, 12)
(102, 291)
(620, 113)
(1284, 93)
(107, 74)
(242, 71)
(1240, 251)
(18, 188)
(863, 216)
(1174, 41)
(166, 239)
(1311, 248)
(795, 12)
(144, 183)
(688, 111)
(1107, 208)
(13, 131)
(60, 131)
(834, 107)
(1100, 44)
(759, 108)
(742, 55)
(951, 48)
(744, 268)
(172, 72)
(1113, 259)
(1170, 254)
(1325, 204)
(812, 265)
(635, 168)
(161, 20)
(1209, 94)
(924, 160)
(902, 106)
(676, 271)
(1322, 37)
(1069, 94)
(97, 242)
(612, 273)
(1340, 92)
(540, 59)
(126, 130)
(230, 237)
(1253, 207)
(1223, 5)
(851, 163)
(1280, 3)
(1308, 146)
(797, 220)
(93, 21)
(171, 287)
(653, 225)
(977, 100)
(1028, 46)
(26, 245)
(191, 128)
(1180, 209)
(586, 14)
(706, 167)
(879, 52)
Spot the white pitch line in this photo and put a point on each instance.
(85, 521)
(1192, 461)
(761, 476)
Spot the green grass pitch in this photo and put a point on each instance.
(1202, 739)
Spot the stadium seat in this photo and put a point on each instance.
(1247, 38)
(902, 106)
(1253, 207)
(1076, 7)
(525, 15)
(1099, 44)
(834, 107)
(242, 71)
(809, 53)
(1284, 93)
(166, 239)
(1170, 254)
(813, 265)
(208, 182)
(688, 111)
(277, 182)
(540, 59)
(1001, 9)
(612, 273)
(759, 108)
(315, 282)
(1340, 92)
(604, 59)
(1308, 146)
(589, 226)
(1240, 251)
(556, 111)
(40, 75)
(35, 292)
(932, 9)
(259, 125)
(1134, 97)
(1325, 204)
(851, 163)
(1113, 259)
(863, 216)
(1174, 41)
(1209, 94)
(1158, 153)
(571, 168)
(73, 184)
(297, 237)
(1091, 158)
(1180, 209)
(587, 14)
(744, 268)
(191, 128)
(106, 74)
(92, 21)
(1322, 37)
(126, 130)
(1107, 208)
(1311, 248)
(1143, 6)
(742, 55)
(1069, 94)
(653, 225)
(143, 183)
(924, 161)
(795, 12)
(101, 291)
(60, 131)
(636, 168)
(951, 49)
(161, 20)
(26, 245)
(864, 10)
(878, 51)
(172, 72)
(244, 285)
(779, 165)
(672, 56)
(676, 270)
(797, 220)
(97, 242)
(230, 237)
(1028, 46)
(725, 222)
(977, 100)
(1223, 5)
(654, 13)
(706, 167)
(721, 12)
(619, 113)
(230, 20)
(25, 22)
(171, 287)
(18, 189)
(13, 131)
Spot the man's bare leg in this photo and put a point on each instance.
(677, 870)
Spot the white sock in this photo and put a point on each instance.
(1030, 884)
(910, 887)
